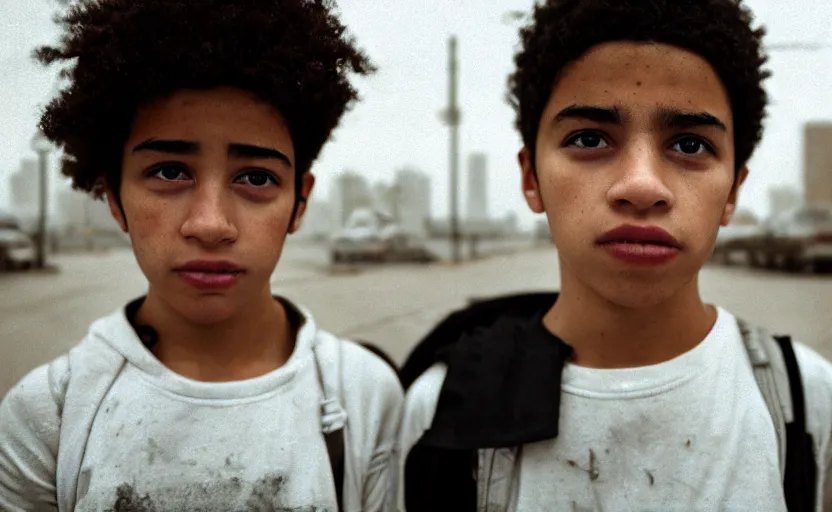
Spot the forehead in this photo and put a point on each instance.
(641, 78)
(220, 114)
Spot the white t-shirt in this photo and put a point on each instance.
(161, 441)
(692, 433)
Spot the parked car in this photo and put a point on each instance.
(17, 251)
(370, 236)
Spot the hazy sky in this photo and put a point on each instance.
(398, 122)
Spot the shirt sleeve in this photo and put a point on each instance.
(419, 409)
(29, 435)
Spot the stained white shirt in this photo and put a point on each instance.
(691, 434)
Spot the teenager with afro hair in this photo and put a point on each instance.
(199, 122)
(625, 391)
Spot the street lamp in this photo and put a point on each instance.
(42, 146)
(452, 117)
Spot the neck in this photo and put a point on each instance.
(607, 335)
(256, 341)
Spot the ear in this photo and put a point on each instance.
(731, 204)
(530, 184)
(305, 192)
(115, 210)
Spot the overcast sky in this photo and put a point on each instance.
(398, 122)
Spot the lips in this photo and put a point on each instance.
(645, 245)
(643, 235)
(210, 274)
(210, 267)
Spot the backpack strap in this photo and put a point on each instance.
(327, 354)
(498, 478)
(79, 383)
(800, 485)
(772, 377)
(778, 377)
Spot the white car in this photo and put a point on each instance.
(17, 251)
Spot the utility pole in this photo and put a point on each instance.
(452, 119)
(42, 146)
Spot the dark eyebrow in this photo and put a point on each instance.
(186, 147)
(604, 115)
(250, 151)
(671, 119)
(178, 147)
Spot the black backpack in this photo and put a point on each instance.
(444, 477)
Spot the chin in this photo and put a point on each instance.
(207, 309)
(644, 298)
(638, 294)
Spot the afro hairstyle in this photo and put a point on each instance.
(120, 55)
(719, 31)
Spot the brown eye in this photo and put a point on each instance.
(691, 146)
(169, 173)
(588, 140)
(257, 179)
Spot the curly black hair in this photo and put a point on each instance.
(720, 31)
(122, 54)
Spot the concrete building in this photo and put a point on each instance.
(410, 196)
(745, 217)
(817, 161)
(384, 198)
(318, 221)
(477, 187)
(24, 189)
(783, 198)
(78, 211)
(350, 192)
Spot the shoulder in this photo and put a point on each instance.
(30, 423)
(424, 393)
(368, 374)
(816, 374)
(420, 405)
(37, 397)
(814, 368)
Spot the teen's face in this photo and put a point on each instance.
(208, 176)
(637, 135)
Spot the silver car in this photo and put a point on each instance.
(17, 251)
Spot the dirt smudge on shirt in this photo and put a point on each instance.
(267, 494)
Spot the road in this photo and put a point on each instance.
(43, 315)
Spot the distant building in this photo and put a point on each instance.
(511, 222)
(477, 187)
(78, 212)
(541, 230)
(783, 198)
(817, 162)
(410, 196)
(351, 191)
(24, 188)
(318, 221)
(384, 198)
(745, 218)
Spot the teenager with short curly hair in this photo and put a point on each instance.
(625, 391)
(199, 122)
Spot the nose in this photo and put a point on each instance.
(640, 184)
(209, 219)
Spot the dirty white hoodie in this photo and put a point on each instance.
(162, 442)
